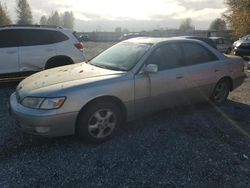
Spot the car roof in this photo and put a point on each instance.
(38, 27)
(155, 40)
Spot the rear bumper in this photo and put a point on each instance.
(47, 123)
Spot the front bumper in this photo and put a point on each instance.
(42, 122)
(241, 52)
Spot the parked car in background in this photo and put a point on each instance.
(241, 47)
(204, 39)
(83, 38)
(28, 49)
(133, 78)
(223, 45)
(130, 35)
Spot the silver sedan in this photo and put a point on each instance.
(133, 78)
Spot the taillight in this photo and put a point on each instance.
(79, 46)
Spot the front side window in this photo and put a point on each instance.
(197, 54)
(166, 57)
(8, 38)
(123, 56)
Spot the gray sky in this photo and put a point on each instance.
(106, 15)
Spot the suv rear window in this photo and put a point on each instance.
(59, 37)
(33, 37)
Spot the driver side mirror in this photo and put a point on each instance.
(150, 68)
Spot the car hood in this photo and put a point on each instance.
(81, 72)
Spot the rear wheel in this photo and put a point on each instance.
(99, 122)
(221, 92)
(57, 63)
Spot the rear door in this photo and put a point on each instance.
(36, 48)
(8, 51)
(203, 70)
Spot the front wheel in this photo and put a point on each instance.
(99, 122)
(221, 92)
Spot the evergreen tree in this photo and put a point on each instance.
(43, 20)
(23, 13)
(68, 20)
(4, 17)
(54, 19)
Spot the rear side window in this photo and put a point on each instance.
(59, 37)
(8, 38)
(34, 37)
(197, 54)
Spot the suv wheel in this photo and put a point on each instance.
(57, 63)
(221, 92)
(99, 122)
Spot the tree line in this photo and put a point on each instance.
(24, 16)
(237, 18)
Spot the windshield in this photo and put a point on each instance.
(122, 56)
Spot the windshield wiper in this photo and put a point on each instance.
(107, 67)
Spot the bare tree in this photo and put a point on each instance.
(238, 16)
(218, 25)
(186, 25)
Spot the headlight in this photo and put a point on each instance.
(52, 103)
(32, 102)
(43, 103)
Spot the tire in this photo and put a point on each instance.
(99, 122)
(57, 63)
(221, 92)
(228, 51)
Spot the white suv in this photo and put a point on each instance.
(28, 49)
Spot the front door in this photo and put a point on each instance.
(8, 52)
(163, 89)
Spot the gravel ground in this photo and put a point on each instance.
(194, 146)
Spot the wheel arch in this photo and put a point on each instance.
(59, 58)
(108, 98)
(229, 79)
